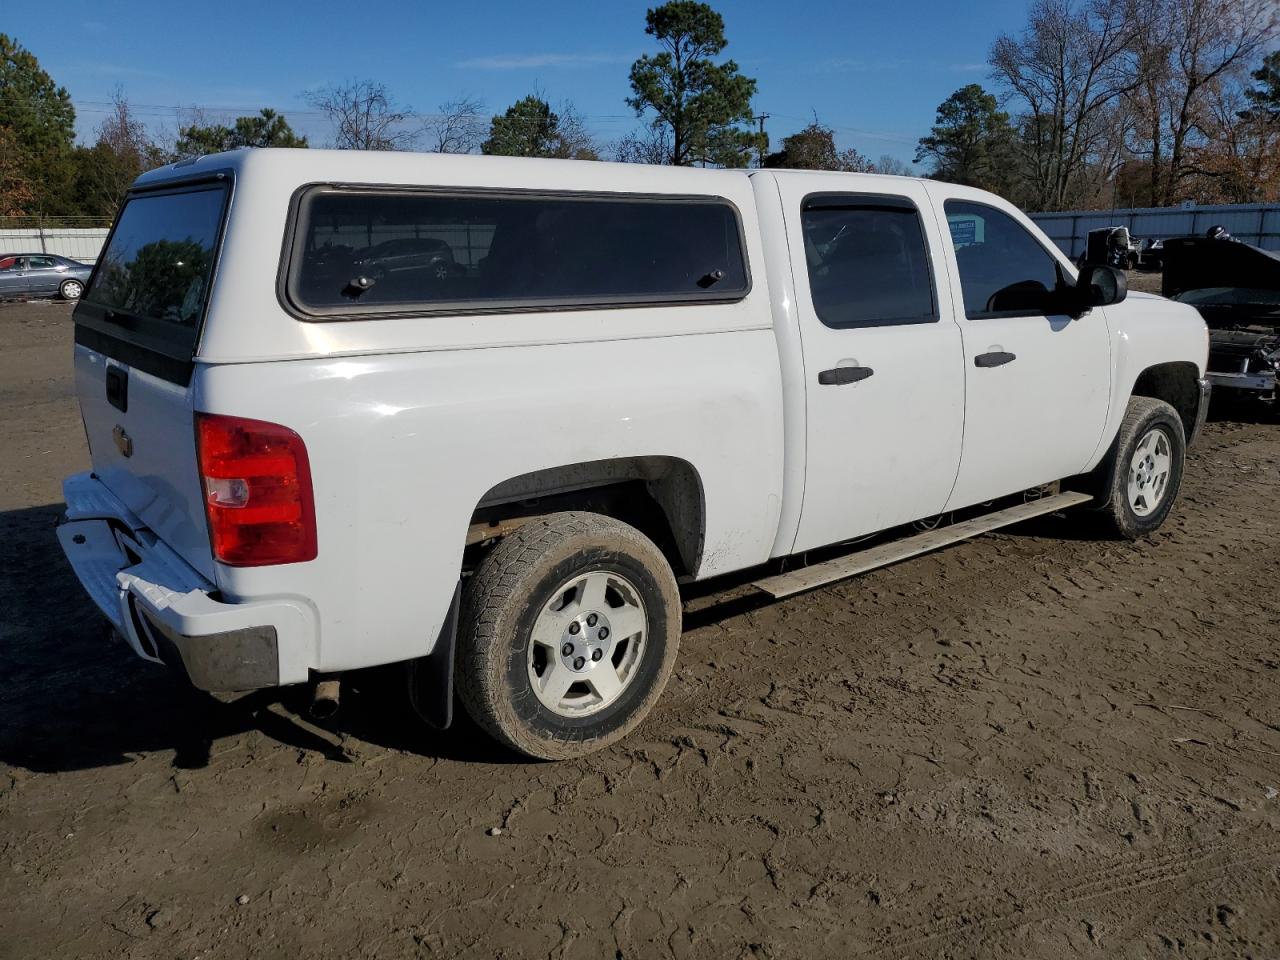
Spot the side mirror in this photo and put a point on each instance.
(1100, 286)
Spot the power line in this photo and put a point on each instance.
(166, 110)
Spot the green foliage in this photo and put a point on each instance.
(972, 141)
(814, 148)
(267, 129)
(703, 104)
(1266, 96)
(38, 124)
(530, 128)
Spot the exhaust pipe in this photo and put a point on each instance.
(324, 698)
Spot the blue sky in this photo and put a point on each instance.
(875, 71)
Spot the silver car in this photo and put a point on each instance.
(41, 275)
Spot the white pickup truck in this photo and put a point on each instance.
(482, 415)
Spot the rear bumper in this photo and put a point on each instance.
(168, 613)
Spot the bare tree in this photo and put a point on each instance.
(1196, 53)
(1239, 160)
(648, 145)
(458, 127)
(892, 166)
(123, 149)
(364, 116)
(576, 141)
(1063, 74)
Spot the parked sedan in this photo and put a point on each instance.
(42, 275)
(408, 254)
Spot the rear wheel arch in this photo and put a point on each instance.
(660, 496)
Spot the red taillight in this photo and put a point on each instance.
(257, 491)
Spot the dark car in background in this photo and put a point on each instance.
(1236, 288)
(24, 275)
(1151, 254)
(1112, 247)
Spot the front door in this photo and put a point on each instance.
(1038, 382)
(42, 275)
(884, 377)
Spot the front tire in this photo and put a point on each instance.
(1146, 469)
(567, 635)
(71, 289)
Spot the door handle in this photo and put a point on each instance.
(997, 358)
(839, 375)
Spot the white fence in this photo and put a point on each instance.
(78, 243)
(1255, 223)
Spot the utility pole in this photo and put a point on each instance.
(763, 141)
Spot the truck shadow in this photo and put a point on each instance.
(73, 699)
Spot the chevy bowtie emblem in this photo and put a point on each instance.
(124, 442)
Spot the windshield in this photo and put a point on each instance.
(160, 256)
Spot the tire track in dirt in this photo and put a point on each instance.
(1035, 744)
(980, 917)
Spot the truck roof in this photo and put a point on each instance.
(386, 166)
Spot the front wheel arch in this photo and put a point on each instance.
(1177, 384)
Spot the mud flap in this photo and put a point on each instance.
(431, 677)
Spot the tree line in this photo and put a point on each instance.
(1121, 103)
(1094, 103)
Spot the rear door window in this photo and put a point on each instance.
(403, 252)
(152, 281)
(868, 261)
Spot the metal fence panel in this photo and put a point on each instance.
(1255, 223)
(78, 243)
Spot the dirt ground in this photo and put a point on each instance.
(1041, 743)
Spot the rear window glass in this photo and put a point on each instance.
(868, 261)
(159, 259)
(392, 252)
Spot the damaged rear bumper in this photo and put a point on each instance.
(167, 612)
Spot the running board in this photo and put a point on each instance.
(841, 568)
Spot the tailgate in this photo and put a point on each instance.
(145, 450)
(138, 327)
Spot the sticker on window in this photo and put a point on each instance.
(964, 231)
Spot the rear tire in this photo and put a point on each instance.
(567, 634)
(1146, 468)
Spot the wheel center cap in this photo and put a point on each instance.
(586, 641)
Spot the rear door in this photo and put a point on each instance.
(13, 276)
(884, 379)
(137, 329)
(1038, 382)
